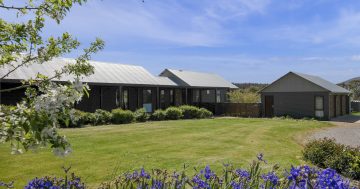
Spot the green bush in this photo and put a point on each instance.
(141, 115)
(190, 112)
(101, 117)
(326, 153)
(120, 116)
(5, 109)
(158, 115)
(205, 113)
(173, 113)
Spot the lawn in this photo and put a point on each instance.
(356, 113)
(103, 151)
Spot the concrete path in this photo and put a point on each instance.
(347, 130)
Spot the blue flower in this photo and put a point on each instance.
(242, 173)
(271, 177)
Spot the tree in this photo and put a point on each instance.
(354, 87)
(34, 121)
(247, 95)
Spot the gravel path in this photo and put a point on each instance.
(347, 131)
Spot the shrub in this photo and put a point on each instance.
(173, 113)
(120, 116)
(101, 117)
(158, 115)
(327, 153)
(141, 115)
(205, 113)
(190, 112)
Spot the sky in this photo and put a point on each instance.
(241, 40)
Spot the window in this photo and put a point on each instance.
(319, 106)
(126, 99)
(196, 95)
(171, 96)
(147, 97)
(218, 96)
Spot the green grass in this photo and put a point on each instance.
(356, 113)
(99, 152)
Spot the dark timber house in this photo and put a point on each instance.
(128, 86)
(300, 95)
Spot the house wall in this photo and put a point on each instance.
(296, 104)
(11, 98)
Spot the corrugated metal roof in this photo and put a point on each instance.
(200, 79)
(104, 73)
(322, 83)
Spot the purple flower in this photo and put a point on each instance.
(271, 177)
(157, 184)
(144, 174)
(242, 173)
(260, 157)
(328, 178)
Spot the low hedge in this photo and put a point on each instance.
(190, 112)
(173, 113)
(158, 115)
(120, 116)
(326, 153)
(141, 115)
(205, 113)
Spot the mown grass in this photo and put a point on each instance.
(356, 113)
(103, 151)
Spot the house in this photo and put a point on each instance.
(300, 95)
(127, 86)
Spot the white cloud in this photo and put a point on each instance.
(355, 58)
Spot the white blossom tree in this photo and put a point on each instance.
(33, 122)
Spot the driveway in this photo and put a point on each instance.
(347, 130)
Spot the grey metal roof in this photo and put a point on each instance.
(347, 82)
(104, 73)
(322, 83)
(199, 79)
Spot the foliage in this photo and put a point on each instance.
(68, 182)
(190, 112)
(327, 153)
(301, 177)
(354, 87)
(120, 116)
(173, 113)
(101, 117)
(205, 113)
(141, 115)
(158, 115)
(247, 95)
(34, 121)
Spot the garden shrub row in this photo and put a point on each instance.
(327, 153)
(120, 116)
(257, 175)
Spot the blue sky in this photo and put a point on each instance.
(242, 40)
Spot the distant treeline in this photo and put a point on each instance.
(247, 93)
(250, 85)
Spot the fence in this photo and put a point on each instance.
(234, 109)
(355, 106)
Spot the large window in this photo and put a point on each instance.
(218, 96)
(147, 97)
(171, 96)
(125, 99)
(196, 95)
(319, 106)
